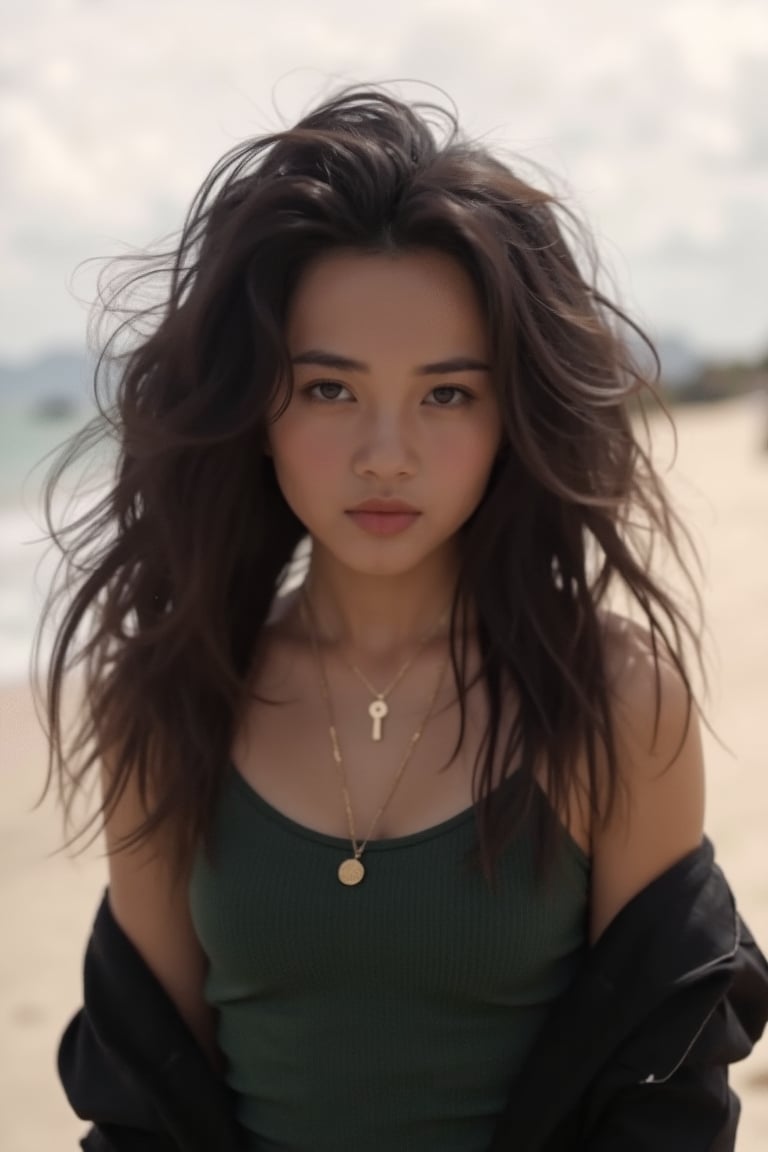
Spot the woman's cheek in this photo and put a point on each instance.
(308, 453)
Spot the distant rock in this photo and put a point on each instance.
(681, 365)
(52, 408)
(56, 381)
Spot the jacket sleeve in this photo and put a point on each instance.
(685, 1105)
(119, 1138)
(696, 1112)
(101, 1090)
(693, 1111)
(129, 1064)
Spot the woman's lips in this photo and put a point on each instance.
(383, 523)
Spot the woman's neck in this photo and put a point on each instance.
(379, 616)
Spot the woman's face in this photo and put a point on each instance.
(392, 401)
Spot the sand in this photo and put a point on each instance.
(47, 901)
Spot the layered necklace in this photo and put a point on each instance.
(352, 870)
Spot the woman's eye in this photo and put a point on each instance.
(444, 396)
(448, 396)
(326, 390)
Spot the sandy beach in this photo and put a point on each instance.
(47, 900)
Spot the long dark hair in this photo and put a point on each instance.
(169, 579)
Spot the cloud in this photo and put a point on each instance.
(111, 114)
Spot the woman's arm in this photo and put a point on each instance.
(659, 812)
(150, 904)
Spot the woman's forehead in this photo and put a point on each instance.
(360, 300)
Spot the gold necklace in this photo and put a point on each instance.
(352, 870)
(378, 709)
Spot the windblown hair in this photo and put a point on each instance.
(169, 580)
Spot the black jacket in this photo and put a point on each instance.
(633, 1057)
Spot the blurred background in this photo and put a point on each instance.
(653, 119)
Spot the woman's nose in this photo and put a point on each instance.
(386, 447)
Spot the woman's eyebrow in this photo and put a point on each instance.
(455, 364)
(323, 359)
(330, 360)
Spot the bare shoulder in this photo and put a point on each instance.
(658, 815)
(653, 710)
(149, 902)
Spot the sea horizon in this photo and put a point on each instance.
(29, 441)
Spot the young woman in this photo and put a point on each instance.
(398, 809)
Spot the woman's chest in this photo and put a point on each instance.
(396, 773)
(272, 915)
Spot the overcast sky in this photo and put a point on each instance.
(654, 114)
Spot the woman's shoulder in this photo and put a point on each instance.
(647, 685)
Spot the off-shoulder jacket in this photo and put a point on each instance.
(633, 1057)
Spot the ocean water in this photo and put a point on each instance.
(27, 561)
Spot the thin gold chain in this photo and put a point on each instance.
(359, 848)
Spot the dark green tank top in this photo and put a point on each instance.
(391, 1016)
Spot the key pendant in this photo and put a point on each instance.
(377, 710)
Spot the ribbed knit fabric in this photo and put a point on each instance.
(389, 1017)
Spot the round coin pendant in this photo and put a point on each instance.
(351, 871)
